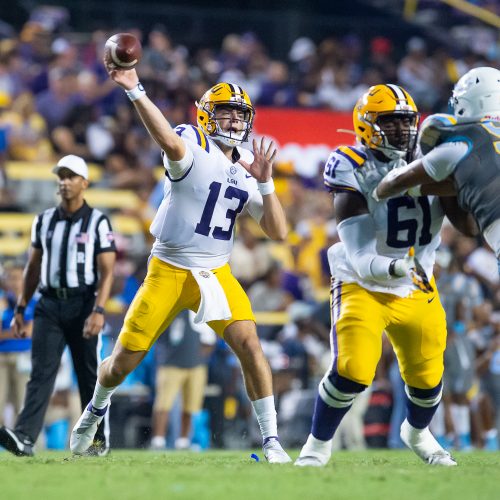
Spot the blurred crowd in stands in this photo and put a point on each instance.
(56, 99)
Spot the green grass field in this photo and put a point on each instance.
(234, 475)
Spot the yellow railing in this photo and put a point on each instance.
(484, 15)
(480, 13)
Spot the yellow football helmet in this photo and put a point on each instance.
(384, 101)
(225, 94)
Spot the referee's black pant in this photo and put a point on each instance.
(59, 323)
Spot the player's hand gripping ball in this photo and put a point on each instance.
(122, 51)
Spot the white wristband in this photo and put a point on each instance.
(401, 268)
(266, 187)
(136, 93)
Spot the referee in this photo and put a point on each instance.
(71, 260)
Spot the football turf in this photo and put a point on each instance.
(235, 475)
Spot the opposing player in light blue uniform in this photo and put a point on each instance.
(464, 148)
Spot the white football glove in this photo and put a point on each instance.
(369, 176)
(411, 267)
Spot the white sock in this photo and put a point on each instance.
(266, 416)
(102, 395)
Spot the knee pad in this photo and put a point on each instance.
(337, 391)
(426, 398)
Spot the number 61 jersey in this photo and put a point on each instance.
(194, 225)
(399, 222)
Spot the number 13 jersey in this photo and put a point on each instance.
(194, 225)
(399, 223)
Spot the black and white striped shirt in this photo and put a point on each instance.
(70, 245)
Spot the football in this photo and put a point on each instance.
(123, 51)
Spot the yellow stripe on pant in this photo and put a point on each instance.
(415, 326)
(167, 290)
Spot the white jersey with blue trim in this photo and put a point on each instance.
(195, 223)
(400, 222)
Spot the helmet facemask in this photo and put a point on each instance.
(378, 106)
(231, 97)
(231, 137)
(392, 141)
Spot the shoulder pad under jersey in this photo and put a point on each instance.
(245, 154)
(194, 135)
(430, 132)
(340, 166)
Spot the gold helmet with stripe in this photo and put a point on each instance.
(229, 95)
(375, 125)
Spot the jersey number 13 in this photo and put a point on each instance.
(203, 227)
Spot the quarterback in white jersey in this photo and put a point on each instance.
(381, 280)
(211, 181)
(194, 225)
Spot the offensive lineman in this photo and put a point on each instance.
(210, 182)
(377, 284)
(466, 147)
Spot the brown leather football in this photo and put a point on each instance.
(122, 50)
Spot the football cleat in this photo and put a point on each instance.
(12, 441)
(314, 453)
(82, 435)
(97, 449)
(273, 451)
(423, 443)
(310, 461)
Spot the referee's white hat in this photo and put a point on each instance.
(73, 163)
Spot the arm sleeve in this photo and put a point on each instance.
(358, 236)
(441, 161)
(105, 239)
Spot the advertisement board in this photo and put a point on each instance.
(305, 138)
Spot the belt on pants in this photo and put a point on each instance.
(66, 293)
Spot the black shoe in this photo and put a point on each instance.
(12, 441)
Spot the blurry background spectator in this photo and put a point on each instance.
(55, 99)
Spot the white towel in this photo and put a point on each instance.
(213, 303)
